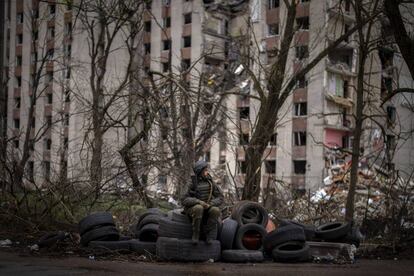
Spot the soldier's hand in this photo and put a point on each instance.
(205, 205)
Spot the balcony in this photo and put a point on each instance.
(340, 67)
(340, 9)
(345, 102)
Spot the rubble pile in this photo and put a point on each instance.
(379, 195)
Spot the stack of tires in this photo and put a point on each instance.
(288, 242)
(243, 233)
(175, 244)
(339, 232)
(98, 227)
(146, 232)
(342, 232)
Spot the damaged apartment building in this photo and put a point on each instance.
(316, 122)
(317, 125)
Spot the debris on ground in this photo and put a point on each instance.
(5, 243)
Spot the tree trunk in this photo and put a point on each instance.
(136, 183)
(96, 161)
(402, 37)
(363, 52)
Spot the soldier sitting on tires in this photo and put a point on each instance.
(203, 200)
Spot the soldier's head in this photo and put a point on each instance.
(201, 168)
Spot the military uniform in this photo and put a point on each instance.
(203, 198)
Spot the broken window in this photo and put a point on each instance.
(299, 166)
(300, 109)
(346, 89)
(19, 39)
(68, 28)
(185, 64)
(19, 60)
(303, 23)
(148, 4)
(19, 18)
(48, 144)
(244, 139)
(52, 9)
(49, 121)
(166, 45)
(242, 167)
(299, 138)
(17, 102)
(187, 18)
(147, 48)
(273, 29)
(302, 52)
(67, 96)
(301, 83)
(386, 57)
(167, 22)
(273, 140)
(391, 114)
(16, 143)
(17, 123)
(50, 33)
(187, 41)
(49, 98)
(19, 81)
(147, 26)
(165, 66)
(270, 166)
(272, 4)
(244, 113)
(208, 108)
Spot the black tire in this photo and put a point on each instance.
(171, 249)
(172, 229)
(308, 229)
(242, 256)
(149, 233)
(292, 251)
(95, 220)
(110, 245)
(228, 233)
(178, 216)
(149, 219)
(142, 247)
(50, 239)
(249, 228)
(243, 213)
(333, 230)
(282, 235)
(150, 211)
(105, 233)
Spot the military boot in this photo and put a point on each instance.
(211, 233)
(211, 225)
(196, 230)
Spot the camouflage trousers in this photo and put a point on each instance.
(210, 215)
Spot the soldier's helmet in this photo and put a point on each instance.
(200, 166)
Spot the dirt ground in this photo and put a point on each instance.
(13, 263)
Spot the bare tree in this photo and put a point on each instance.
(110, 26)
(273, 95)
